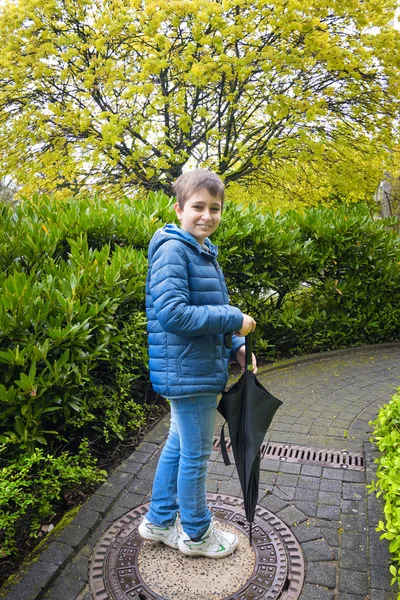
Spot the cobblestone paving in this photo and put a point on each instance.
(328, 402)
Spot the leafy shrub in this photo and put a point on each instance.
(387, 438)
(314, 281)
(30, 486)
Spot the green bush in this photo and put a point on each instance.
(315, 281)
(72, 323)
(387, 438)
(30, 486)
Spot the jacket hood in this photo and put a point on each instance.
(172, 231)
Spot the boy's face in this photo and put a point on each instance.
(201, 214)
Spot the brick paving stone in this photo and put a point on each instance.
(140, 486)
(231, 488)
(383, 595)
(327, 511)
(315, 592)
(329, 498)
(353, 540)
(311, 470)
(85, 594)
(110, 489)
(269, 465)
(153, 461)
(116, 513)
(268, 478)
(353, 582)
(309, 482)
(288, 479)
(375, 510)
(38, 576)
(331, 485)
(321, 574)
(67, 588)
(140, 457)
(317, 550)
(287, 419)
(328, 524)
(353, 507)
(287, 467)
(99, 503)
(354, 561)
(130, 500)
(211, 486)
(331, 536)
(272, 503)
(306, 494)
(308, 508)
(77, 568)
(291, 515)
(280, 426)
(353, 491)
(354, 476)
(56, 553)
(146, 446)
(159, 432)
(222, 469)
(284, 492)
(73, 535)
(329, 473)
(299, 428)
(147, 473)
(380, 578)
(379, 549)
(130, 466)
(86, 518)
(119, 479)
(354, 522)
(306, 532)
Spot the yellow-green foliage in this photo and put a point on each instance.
(387, 438)
(110, 95)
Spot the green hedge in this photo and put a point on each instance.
(387, 438)
(315, 281)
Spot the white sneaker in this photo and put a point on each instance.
(214, 543)
(166, 535)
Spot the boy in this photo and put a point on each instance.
(188, 316)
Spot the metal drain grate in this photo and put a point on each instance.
(336, 459)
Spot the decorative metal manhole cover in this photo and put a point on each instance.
(120, 569)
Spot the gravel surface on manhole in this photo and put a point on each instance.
(173, 575)
(124, 567)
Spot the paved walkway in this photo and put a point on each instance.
(328, 401)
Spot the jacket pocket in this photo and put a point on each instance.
(198, 358)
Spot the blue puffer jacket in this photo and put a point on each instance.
(188, 314)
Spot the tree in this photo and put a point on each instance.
(116, 94)
(7, 192)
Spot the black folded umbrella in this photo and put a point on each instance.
(248, 408)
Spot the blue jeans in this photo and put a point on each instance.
(180, 480)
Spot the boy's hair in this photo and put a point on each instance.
(191, 182)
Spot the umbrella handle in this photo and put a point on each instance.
(249, 351)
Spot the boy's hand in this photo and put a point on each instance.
(248, 325)
(241, 358)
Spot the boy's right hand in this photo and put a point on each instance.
(248, 325)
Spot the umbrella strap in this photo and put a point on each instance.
(222, 442)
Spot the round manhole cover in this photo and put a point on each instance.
(124, 567)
